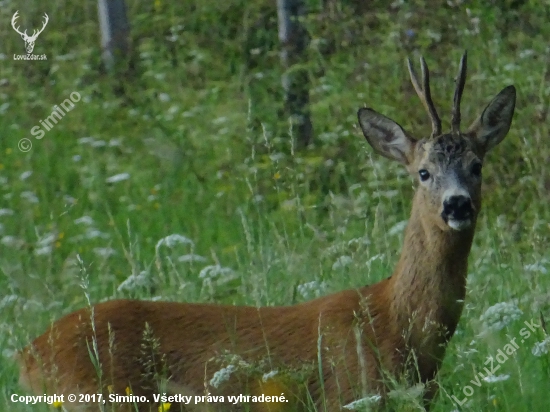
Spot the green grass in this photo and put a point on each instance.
(196, 128)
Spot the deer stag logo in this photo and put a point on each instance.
(29, 40)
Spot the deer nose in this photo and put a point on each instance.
(458, 207)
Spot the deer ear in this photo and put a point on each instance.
(386, 136)
(493, 124)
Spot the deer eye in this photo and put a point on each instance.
(476, 169)
(424, 174)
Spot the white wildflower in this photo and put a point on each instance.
(8, 300)
(25, 175)
(191, 258)
(29, 196)
(496, 378)
(359, 241)
(312, 289)
(47, 239)
(536, 267)
(215, 271)
(220, 120)
(526, 53)
(541, 348)
(33, 305)
(92, 233)
(43, 251)
(86, 140)
(9, 354)
(12, 241)
(164, 97)
(342, 262)
(373, 258)
(104, 251)
(133, 282)
(407, 393)
(267, 376)
(222, 375)
(84, 220)
(215, 276)
(399, 227)
(6, 212)
(362, 404)
(98, 143)
(118, 178)
(69, 200)
(499, 316)
(173, 240)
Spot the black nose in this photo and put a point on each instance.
(458, 207)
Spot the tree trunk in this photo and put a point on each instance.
(115, 32)
(294, 40)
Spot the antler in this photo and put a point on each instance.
(460, 80)
(13, 21)
(37, 32)
(425, 95)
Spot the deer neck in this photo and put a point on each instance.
(429, 283)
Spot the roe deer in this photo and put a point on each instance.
(355, 342)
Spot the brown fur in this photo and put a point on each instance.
(396, 329)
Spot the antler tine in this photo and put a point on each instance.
(36, 32)
(425, 94)
(460, 81)
(14, 22)
(436, 121)
(15, 16)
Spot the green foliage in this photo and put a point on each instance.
(192, 141)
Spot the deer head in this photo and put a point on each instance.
(29, 40)
(447, 166)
